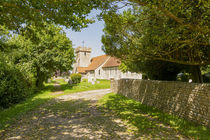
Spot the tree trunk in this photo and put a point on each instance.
(39, 83)
(40, 79)
(196, 74)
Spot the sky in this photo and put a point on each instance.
(90, 35)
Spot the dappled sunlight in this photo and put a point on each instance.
(51, 90)
(15, 138)
(81, 116)
(8, 114)
(186, 100)
(72, 119)
(150, 121)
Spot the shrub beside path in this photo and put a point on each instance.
(74, 116)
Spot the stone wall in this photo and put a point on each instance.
(187, 100)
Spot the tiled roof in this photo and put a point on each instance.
(112, 62)
(96, 62)
(81, 69)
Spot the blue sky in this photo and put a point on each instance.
(90, 35)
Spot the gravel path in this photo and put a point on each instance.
(89, 95)
(72, 117)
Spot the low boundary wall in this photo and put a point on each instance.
(186, 100)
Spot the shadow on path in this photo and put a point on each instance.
(72, 119)
(77, 116)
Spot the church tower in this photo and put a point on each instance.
(83, 56)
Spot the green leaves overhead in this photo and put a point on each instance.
(174, 31)
(69, 13)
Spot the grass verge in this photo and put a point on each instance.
(149, 120)
(9, 115)
(84, 86)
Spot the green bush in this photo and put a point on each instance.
(76, 78)
(184, 77)
(84, 80)
(14, 86)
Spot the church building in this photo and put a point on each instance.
(100, 67)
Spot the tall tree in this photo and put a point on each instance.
(42, 52)
(151, 33)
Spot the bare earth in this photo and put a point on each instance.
(71, 117)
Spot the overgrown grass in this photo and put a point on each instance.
(9, 115)
(140, 116)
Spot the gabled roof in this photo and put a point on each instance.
(81, 69)
(96, 62)
(112, 62)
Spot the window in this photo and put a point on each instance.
(99, 72)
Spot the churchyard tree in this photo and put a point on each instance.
(173, 31)
(41, 52)
(39, 47)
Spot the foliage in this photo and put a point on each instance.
(174, 31)
(39, 48)
(148, 120)
(69, 13)
(41, 52)
(206, 69)
(9, 115)
(76, 78)
(206, 73)
(14, 85)
(160, 30)
(184, 77)
(4, 36)
(84, 80)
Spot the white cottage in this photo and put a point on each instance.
(100, 67)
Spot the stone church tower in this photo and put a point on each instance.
(83, 57)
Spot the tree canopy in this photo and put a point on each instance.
(41, 52)
(69, 13)
(174, 31)
(33, 45)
